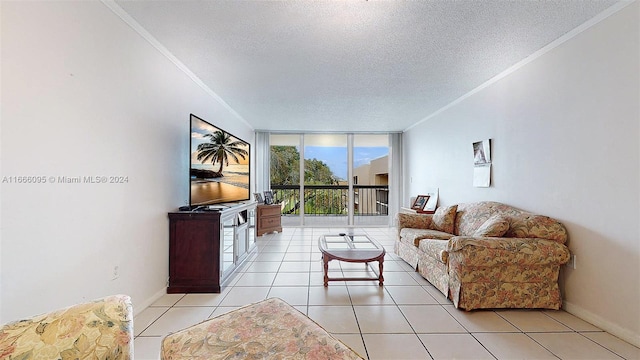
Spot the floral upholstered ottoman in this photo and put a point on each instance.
(270, 329)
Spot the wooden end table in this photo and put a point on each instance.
(351, 248)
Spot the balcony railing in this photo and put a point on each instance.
(333, 200)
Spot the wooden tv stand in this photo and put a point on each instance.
(205, 247)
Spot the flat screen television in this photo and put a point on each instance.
(219, 170)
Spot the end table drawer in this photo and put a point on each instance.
(268, 219)
(270, 211)
(268, 222)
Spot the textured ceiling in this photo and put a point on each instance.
(352, 65)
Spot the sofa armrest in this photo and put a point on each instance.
(414, 221)
(102, 329)
(489, 251)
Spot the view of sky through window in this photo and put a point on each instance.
(336, 157)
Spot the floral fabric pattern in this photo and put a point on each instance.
(435, 272)
(413, 236)
(512, 286)
(538, 226)
(497, 251)
(522, 224)
(270, 329)
(406, 248)
(407, 252)
(102, 329)
(415, 221)
(516, 269)
(471, 216)
(444, 219)
(436, 249)
(495, 226)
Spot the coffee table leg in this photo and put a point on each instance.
(380, 278)
(325, 260)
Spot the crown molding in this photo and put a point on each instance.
(552, 45)
(164, 51)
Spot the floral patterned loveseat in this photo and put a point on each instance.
(486, 254)
(101, 329)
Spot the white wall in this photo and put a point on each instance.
(83, 94)
(565, 131)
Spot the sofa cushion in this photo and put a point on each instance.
(101, 329)
(495, 226)
(436, 249)
(537, 226)
(522, 224)
(472, 215)
(415, 221)
(413, 236)
(444, 218)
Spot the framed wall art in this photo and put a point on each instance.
(420, 202)
(482, 163)
(268, 197)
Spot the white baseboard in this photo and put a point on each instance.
(145, 304)
(604, 324)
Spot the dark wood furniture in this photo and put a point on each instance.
(205, 247)
(351, 248)
(194, 252)
(268, 219)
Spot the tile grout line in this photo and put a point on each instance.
(302, 239)
(355, 315)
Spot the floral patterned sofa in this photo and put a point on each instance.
(486, 254)
(101, 329)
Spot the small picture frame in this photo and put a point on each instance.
(268, 197)
(258, 197)
(420, 202)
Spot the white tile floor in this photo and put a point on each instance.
(406, 319)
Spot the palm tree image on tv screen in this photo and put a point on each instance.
(219, 170)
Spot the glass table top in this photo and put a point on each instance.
(349, 242)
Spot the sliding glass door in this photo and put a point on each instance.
(325, 185)
(285, 168)
(342, 180)
(371, 179)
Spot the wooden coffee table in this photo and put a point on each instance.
(350, 248)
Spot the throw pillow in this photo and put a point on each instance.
(444, 218)
(495, 226)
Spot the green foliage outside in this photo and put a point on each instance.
(285, 170)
